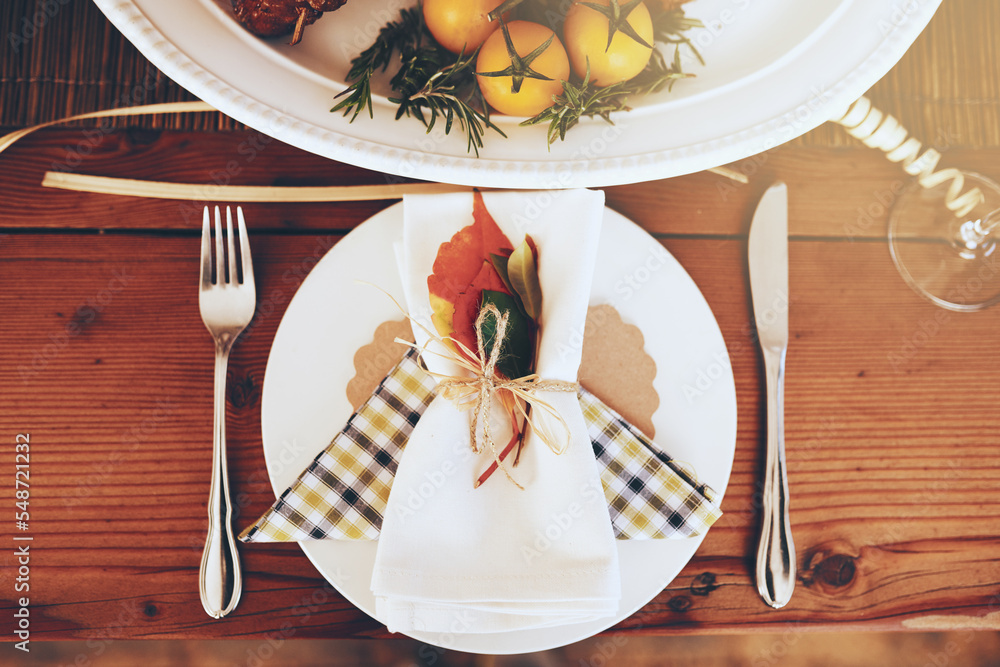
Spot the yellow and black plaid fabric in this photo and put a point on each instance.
(649, 495)
(344, 491)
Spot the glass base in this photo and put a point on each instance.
(944, 257)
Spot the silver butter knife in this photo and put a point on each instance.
(768, 260)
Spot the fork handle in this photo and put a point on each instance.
(220, 581)
(776, 550)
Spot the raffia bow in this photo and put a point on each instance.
(478, 392)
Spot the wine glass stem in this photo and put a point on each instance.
(990, 222)
(974, 235)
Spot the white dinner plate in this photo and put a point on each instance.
(332, 315)
(774, 70)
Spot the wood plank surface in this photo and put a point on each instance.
(843, 193)
(892, 444)
(892, 424)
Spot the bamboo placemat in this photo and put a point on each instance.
(64, 59)
(946, 89)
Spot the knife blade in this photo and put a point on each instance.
(768, 263)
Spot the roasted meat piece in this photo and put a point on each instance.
(271, 18)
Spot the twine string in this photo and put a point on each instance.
(478, 391)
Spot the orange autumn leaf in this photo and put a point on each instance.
(458, 264)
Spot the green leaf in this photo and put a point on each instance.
(500, 264)
(523, 274)
(518, 348)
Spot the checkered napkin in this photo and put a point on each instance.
(344, 491)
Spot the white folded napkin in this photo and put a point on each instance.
(454, 558)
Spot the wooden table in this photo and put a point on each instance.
(892, 417)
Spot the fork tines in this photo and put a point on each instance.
(221, 271)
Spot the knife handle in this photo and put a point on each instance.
(776, 551)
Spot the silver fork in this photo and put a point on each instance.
(227, 304)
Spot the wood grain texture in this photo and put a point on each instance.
(892, 445)
(844, 193)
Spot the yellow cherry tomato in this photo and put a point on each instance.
(586, 34)
(460, 25)
(535, 95)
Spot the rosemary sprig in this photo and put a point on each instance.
(587, 99)
(575, 102)
(669, 26)
(658, 75)
(431, 82)
(404, 35)
(445, 94)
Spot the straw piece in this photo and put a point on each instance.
(731, 174)
(239, 193)
(147, 110)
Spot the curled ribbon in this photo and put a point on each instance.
(880, 130)
(478, 392)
